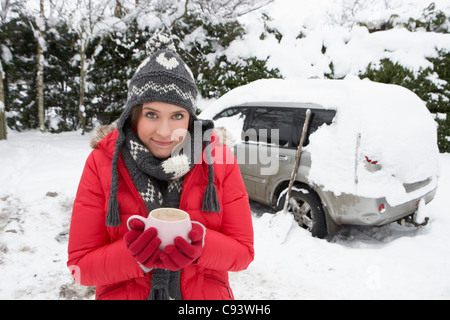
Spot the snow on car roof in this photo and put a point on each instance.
(282, 104)
(334, 94)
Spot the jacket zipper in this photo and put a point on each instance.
(111, 289)
(222, 282)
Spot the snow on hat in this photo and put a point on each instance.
(164, 77)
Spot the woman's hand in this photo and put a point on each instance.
(183, 253)
(143, 245)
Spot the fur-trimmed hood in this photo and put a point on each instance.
(100, 133)
(225, 137)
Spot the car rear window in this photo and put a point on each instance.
(264, 120)
(317, 119)
(230, 112)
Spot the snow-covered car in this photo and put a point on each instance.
(370, 156)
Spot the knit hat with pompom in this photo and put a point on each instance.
(164, 77)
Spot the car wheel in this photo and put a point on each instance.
(307, 211)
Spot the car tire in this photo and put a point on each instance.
(307, 210)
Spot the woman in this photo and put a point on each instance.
(160, 155)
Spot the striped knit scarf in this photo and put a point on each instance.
(158, 181)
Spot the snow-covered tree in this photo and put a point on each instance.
(6, 55)
(90, 19)
(6, 8)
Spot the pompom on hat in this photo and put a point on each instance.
(164, 77)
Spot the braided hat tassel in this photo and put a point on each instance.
(210, 200)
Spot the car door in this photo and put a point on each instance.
(267, 142)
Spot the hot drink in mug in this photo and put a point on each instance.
(169, 222)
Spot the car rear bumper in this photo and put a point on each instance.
(357, 210)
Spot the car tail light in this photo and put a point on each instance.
(382, 208)
(372, 165)
(370, 160)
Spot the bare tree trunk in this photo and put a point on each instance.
(82, 108)
(4, 6)
(40, 74)
(2, 107)
(118, 10)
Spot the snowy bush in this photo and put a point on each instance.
(432, 85)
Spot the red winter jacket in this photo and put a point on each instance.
(98, 256)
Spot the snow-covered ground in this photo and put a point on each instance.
(39, 175)
(389, 262)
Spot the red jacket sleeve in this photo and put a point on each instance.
(93, 259)
(231, 247)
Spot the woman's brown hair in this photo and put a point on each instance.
(135, 114)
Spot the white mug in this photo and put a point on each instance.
(169, 222)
